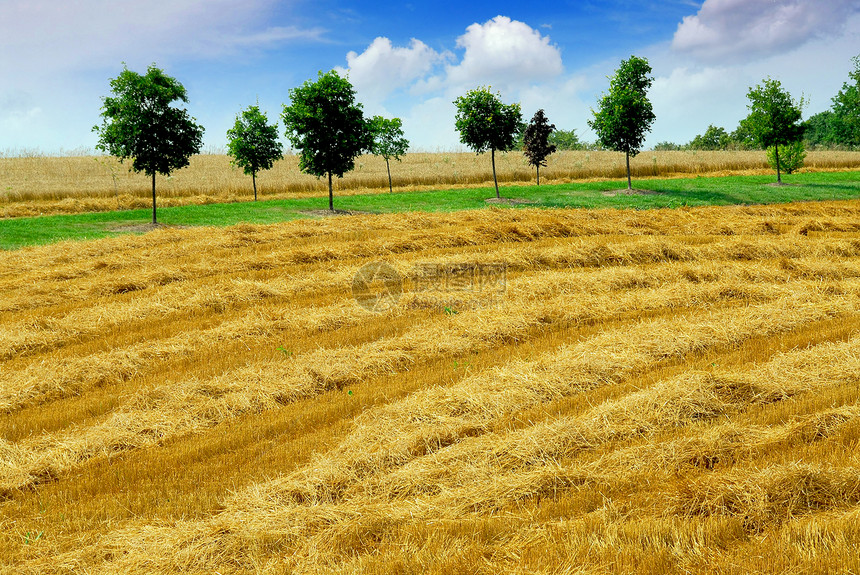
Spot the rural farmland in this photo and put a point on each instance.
(426, 289)
(531, 391)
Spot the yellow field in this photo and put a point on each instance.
(666, 391)
(46, 185)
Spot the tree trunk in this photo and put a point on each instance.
(390, 189)
(330, 194)
(629, 182)
(154, 221)
(538, 174)
(254, 179)
(495, 181)
(778, 175)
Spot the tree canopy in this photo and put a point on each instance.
(139, 122)
(846, 108)
(566, 140)
(486, 123)
(326, 124)
(253, 143)
(625, 114)
(388, 141)
(714, 138)
(774, 118)
(536, 146)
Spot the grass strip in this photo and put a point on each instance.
(668, 193)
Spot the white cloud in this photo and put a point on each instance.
(382, 68)
(504, 53)
(39, 36)
(743, 30)
(419, 84)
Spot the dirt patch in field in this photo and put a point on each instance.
(509, 201)
(142, 228)
(328, 213)
(626, 192)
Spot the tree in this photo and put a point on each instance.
(625, 114)
(714, 138)
(774, 118)
(388, 141)
(253, 143)
(485, 123)
(742, 138)
(791, 159)
(846, 108)
(536, 146)
(140, 123)
(823, 129)
(327, 126)
(565, 140)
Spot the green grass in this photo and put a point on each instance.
(699, 191)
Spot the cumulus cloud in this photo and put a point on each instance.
(504, 52)
(743, 30)
(383, 68)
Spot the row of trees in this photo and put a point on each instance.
(323, 121)
(326, 124)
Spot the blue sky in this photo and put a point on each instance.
(412, 59)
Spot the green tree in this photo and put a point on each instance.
(791, 159)
(565, 140)
(388, 141)
(823, 130)
(536, 146)
(625, 114)
(774, 118)
(486, 123)
(666, 146)
(742, 138)
(714, 138)
(327, 126)
(846, 108)
(140, 123)
(253, 143)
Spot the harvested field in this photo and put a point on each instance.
(529, 391)
(31, 186)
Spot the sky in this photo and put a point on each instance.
(412, 59)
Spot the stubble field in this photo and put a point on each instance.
(665, 391)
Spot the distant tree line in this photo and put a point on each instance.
(835, 128)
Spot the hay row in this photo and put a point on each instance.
(428, 421)
(480, 480)
(189, 405)
(41, 333)
(692, 397)
(219, 246)
(45, 381)
(542, 298)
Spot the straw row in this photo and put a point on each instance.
(548, 294)
(319, 532)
